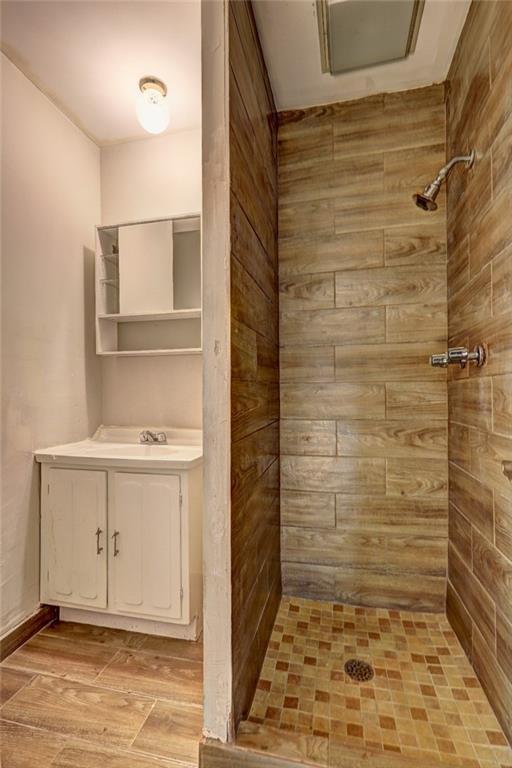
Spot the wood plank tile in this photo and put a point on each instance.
(308, 438)
(55, 655)
(390, 285)
(301, 145)
(307, 291)
(298, 363)
(88, 756)
(105, 636)
(13, 680)
(322, 178)
(388, 589)
(172, 731)
(244, 352)
(303, 508)
(365, 550)
(415, 245)
(473, 596)
(306, 748)
(73, 709)
(487, 457)
(498, 341)
(387, 514)
(472, 303)
(391, 439)
(371, 362)
(249, 251)
(251, 457)
(260, 313)
(502, 281)
(416, 322)
(392, 124)
(494, 682)
(503, 524)
(494, 571)
(333, 326)
(170, 646)
(459, 532)
(310, 254)
(303, 218)
(332, 401)
(157, 675)
(492, 233)
(316, 581)
(461, 440)
(407, 169)
(372, 211)
(459, 619)
(419, 399)
(473, 499)
(504, 644)
(501, 156)
(471, 402)
(27, 747)
(254, 405)
(458, 267)
(342, 475)
(417, 477)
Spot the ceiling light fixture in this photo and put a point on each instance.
(152, 105)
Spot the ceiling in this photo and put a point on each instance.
(88, 58)
(289, 36)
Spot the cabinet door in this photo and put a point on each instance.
(73, 538)
(145, 547)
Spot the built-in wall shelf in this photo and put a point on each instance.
(175, 314)
(152, 352)
(148, 288)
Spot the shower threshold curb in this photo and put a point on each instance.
(265, 747)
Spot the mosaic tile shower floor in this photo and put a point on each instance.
(424, 700)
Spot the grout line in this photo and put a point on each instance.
(99, 684)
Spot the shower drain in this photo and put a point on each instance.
(359, 670)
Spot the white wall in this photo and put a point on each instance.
(147, 179)
(51, 378)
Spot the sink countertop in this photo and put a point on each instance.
(120, 447)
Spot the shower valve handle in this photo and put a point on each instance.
(459, 356)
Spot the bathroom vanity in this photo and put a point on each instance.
(121, 540)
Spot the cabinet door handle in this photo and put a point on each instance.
(114, 536)
(99, 549)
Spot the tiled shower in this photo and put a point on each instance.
(396, 502)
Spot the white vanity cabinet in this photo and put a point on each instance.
(73, 534)
(121, 541)
(145, 530)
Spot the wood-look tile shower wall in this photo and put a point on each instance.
(363, 305)
(479, 217)
(255, 541)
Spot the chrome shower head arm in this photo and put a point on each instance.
(445, 170)
(426, 200)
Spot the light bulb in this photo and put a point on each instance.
(152, 106)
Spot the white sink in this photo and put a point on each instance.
(120, 447)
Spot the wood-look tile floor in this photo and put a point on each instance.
(77, 696)
(424, 701)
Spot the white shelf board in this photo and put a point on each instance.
(151, 352)
(176, 314)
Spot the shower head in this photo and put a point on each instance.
(426, 200)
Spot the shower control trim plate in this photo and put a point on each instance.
(459, 356)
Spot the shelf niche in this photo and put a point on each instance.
(148, 287)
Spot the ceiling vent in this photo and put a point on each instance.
(355, 34)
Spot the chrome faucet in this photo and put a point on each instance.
(459, 356)
(147, 436)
